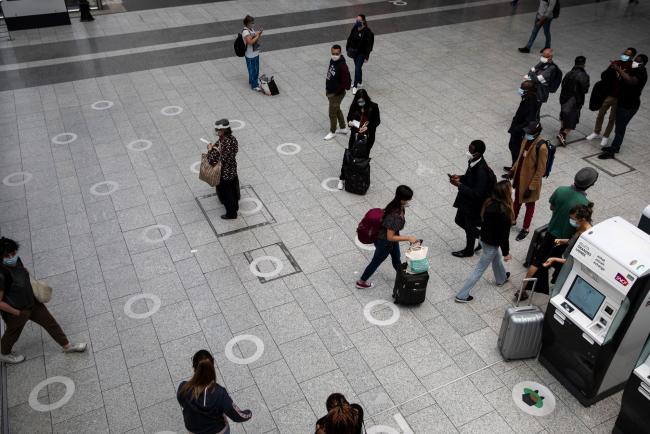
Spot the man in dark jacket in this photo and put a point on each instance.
(358, 48)
(544, 75)
(629, 101)
(336, 83)
(526, 113)
(473, 188)
(572, 97)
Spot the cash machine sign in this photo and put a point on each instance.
(621, 279)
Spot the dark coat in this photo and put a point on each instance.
(542, 74)
(474, 188)
(611, 78)
(526, 113)
(575, 85)
(372, 113)
(337, 80)
(359, 42)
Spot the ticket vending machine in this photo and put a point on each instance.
(598, 316)
(634, 416)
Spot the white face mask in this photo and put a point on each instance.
(469, 156)
(543, 59)
(407, 204)
(335, 58)
(635, 64)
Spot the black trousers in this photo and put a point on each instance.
(515, 145)
(229, 195)
(471, 224)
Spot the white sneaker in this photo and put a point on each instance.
(76, 348)
(343, 131)
(11, 358)
(329, 136)
(340, 185)
(594, 136)
(604, 141)
(257, 89)
(354, 90)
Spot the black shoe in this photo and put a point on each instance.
(607, 149)
(462, 254)
(524, 50)
(505, 281)
(227, 217)
(478, 248)
(464, 300)
(606, 156)
(507, 168)
(561, 139)
(506, 175)
(522, 234)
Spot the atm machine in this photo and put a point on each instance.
(634, 416)
(598, 316)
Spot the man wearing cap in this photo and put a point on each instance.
(527, 173)
(226, 150)
(562, 200)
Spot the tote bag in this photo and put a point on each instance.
(208, 173)
(42, 291)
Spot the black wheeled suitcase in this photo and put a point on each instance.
(535, 244)
(410, 288)
(520, 336)
(357, 174)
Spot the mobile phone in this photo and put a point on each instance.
(204, 141)
(449, 175)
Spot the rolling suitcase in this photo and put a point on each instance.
(410, 288)
(535, 243)
(520, 336)
(357, 174)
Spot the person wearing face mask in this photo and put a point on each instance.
(629, 101)
(388, 239)
(575, 86)
(18, 305)
(547, 77)
(252, 38)
(225, 149)
(358, 48)
(526, 113)
(337, 82)
(363, 120)
(527, 173)
(604, 96)
(473, 188)
(561, 202)
(543, 17)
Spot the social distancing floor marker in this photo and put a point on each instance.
(296, 148)
(171, 110)
(26, 177)
(128, 306)
(69, 391)
(112, 188)
(327, 181)
(139, 145)
(278, 267)
(367, 313)
(195, 167)
(533, 398)
(102, 104)
(240, 124)
(64, 138)
(259, 349)
(257, 208)
(166, 233)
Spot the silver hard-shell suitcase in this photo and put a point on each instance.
(520, 336)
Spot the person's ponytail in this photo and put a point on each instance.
(204, 374)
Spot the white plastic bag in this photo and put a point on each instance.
(416, 259)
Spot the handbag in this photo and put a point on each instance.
(416, 259)
(208, 173)
(42, 291)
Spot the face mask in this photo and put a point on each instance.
(358, 23)
(573, 223)
(361, 103)
(335, 58)
(521, 92)
(635, 64)
(469, 156)
(543, 59)
(407, 204)
(10, 261)
(624, 57)
(530, 137)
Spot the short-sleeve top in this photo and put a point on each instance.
(394, 220)
(254, 49)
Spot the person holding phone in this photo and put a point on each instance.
(225, 149)
(363, 120)
(251, 38)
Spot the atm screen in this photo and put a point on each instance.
(585, 297)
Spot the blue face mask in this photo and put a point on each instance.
(573, 223)
(530, 137)
(358, 23)
(520, 91)
(624, 57)
(10, 261)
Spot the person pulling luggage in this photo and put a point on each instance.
(363, 120)
(388, 239)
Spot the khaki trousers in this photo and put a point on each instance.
(335, 111)
(609, 104)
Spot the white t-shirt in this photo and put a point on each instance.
(254, 49)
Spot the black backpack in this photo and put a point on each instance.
(492, 179)
(551, 156)
(240, 46)
(556, 80)
(556, 9)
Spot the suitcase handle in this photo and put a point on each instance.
(521, 291)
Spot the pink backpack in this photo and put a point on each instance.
(370, 225)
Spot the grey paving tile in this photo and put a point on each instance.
(190, 273)
(294, 418)
(225, 283)
(286, 322)
(121, 282)
(151, 383)
(310, 302)
(121, 409)
(277, 385)
(113, 255)
(501, 400)
(299, 356)
(102, 330)
(268, 295)
(87, 396)
(251, 398)
(23, 377)
(357, 372)
(446, 336)
(25, 419)
(240, 313)
(400, 382)
(163, 416)
(140, 345)
(462, 402)
(309, 258)
(329, 285)
(431, 419)
(491, 422)
(134, 218)
(211, 257)
(424, 356)
(375, 400)
(375, 348)
(318, 389)
(332, 334)
(106, 232)
(53, 262)
(152, 263)
(203, 301)
(349, 313)
(111, 368)
(332, 241)
(175, 321)
(50, 238)
(93, 421)
(178, 355)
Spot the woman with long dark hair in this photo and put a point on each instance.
(497, 216)
(204, 402)
(388, 240)
(341, 418)
(363, 120)
(226, 150)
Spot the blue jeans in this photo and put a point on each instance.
(547, 33)
(383, 248)
(253, 66)
(491, 255)
(623, 117)
(358, 69)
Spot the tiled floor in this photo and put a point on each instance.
(156, 237)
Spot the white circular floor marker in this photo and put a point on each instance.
(112, 187)
(278, 267)
(102, 104)
(369, 247)
(398, 2)
(533, 398)
(171, 110)
(128, 306)
(195, 167)
(257, 208)
(381, 429)
(259, 349)
(64, 138)
(367, 312)
(296, 148)
(241, 124)
(26, 177)
(69, 391)
(139, 145)
(327, 181)
(166, 230)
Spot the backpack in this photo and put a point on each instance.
(240, 46)
(370, 225)
(556, 80)
(551, 155)
(556, 9)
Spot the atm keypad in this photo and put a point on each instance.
(609, 310)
